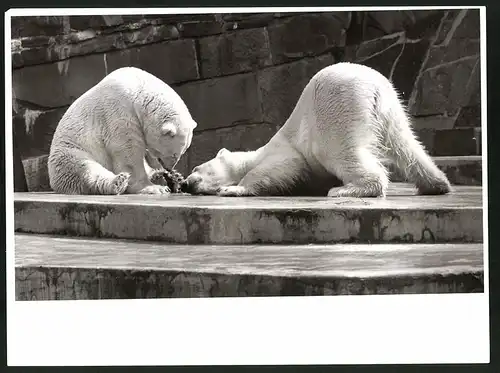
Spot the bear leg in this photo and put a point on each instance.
(100, 180)
(361, 172)
(73, 171)
(137, 165)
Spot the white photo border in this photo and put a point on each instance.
(378, 329)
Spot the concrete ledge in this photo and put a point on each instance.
(50, 268)
(184, 219)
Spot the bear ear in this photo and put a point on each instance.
(169, 129)
(195, 124)
(222, 152)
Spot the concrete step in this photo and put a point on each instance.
(49, 268)
(185, 219)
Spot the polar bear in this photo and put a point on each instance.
(348, 123)
(107, 140)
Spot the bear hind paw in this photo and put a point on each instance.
(356, 191)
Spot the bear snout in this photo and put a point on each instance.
(184, 186)
(190, 182)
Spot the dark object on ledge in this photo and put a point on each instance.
(172, 178)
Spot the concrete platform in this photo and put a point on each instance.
(51, 268)
(185, 219)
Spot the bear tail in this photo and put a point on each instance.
(409, 155)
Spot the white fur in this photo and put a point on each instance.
(347, 124)
(101, 143)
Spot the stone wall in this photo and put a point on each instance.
(241, 74)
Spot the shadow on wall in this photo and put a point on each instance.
(241, 74)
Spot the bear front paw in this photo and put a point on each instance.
(155, 189)
(158, 177)
(232, 191)
(120, 183)
(174, 180)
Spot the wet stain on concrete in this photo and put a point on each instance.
(197, 224)
(370, 229)
(297, 225)
(71, 215)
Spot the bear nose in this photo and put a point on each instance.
(188, 184)
(185, 187)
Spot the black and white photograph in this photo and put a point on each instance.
(249, 167)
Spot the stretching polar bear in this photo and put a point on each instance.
(109, 137)
(347, 124)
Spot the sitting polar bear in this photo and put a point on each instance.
(347, 124)
(109, 137)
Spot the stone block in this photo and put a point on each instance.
(305, 35)
(34, 50)
(191, 29)
(39, 25)
(453, 51)
(206, 144)
(240, 21)
(281, 86)
(445, 88)
(469, 116)
(370, 25)
(370, 48)
(222, 102)
(29, 56)
(173, 19)
(173, 61)
(234, 52)
(433, 122)
(394, 58)
(450, 142)
(447, 25)
(424, 24)
(58, 84)
(34, 129)
(456, 142)
(94, 22)
(380, 23)
(459, 24)
(407, 65)
(469, 25)
(37, 174)
(232, 17)
(465, 170)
